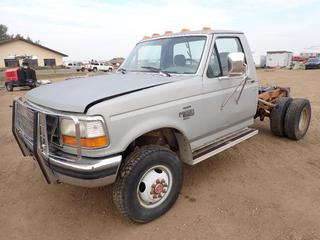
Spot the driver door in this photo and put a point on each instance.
(228, 109)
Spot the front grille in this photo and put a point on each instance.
(48, 127)
(53, 129)
(24, 118)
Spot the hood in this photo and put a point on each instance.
(76, 95)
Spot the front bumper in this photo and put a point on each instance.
(60, 167)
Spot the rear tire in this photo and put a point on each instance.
(95, 69)
(277, 116)
(148, 183)
(9, 87)
(297, 118)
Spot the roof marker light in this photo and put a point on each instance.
(206, 28)
(146, 37)
(155, 35)
(185, 30)
(168, 33)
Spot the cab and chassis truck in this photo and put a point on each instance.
(178, 98)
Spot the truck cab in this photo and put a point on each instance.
(178, 98)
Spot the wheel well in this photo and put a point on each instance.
(166, 137)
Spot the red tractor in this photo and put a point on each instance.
(20, 76)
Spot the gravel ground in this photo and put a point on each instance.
(264, 188)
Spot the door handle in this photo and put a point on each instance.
(251, 80)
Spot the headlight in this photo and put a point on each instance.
(92, 133)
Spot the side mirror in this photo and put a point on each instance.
(236, 64)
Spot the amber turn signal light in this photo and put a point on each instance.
(86, 142)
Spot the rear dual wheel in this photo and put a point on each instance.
(277, 116)
(290, 118)
(297, 118)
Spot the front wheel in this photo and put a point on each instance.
(148, 183)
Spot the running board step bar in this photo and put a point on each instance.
(223, 144)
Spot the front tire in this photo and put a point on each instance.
(148, 184)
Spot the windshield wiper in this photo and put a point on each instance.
(122, 70)
(157, 70)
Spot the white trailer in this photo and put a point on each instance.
(279, 59)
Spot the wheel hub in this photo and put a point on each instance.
(304, 119)
(154, 186)
(159, 188)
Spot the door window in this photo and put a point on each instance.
(224, 47)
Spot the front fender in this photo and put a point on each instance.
(138, 128)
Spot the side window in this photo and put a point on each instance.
(213, 67)
(224, 47)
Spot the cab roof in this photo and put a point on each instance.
(186, 32)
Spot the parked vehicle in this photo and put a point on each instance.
(313, 63)
(20, 76)
(178, 98)
(79, 66)
(99, 66)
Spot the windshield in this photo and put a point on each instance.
(169, 55)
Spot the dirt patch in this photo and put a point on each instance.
(264, 188)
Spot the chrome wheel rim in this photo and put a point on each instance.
(154, 186)
(304, 119)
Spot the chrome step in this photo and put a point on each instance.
(223, 144)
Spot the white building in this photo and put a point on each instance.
(279, 59)
(259, 60)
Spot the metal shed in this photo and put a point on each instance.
(279, 59)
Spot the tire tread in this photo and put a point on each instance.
(118, 190)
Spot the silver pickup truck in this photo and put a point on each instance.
(178, 98)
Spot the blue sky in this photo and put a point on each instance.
(104, 29)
